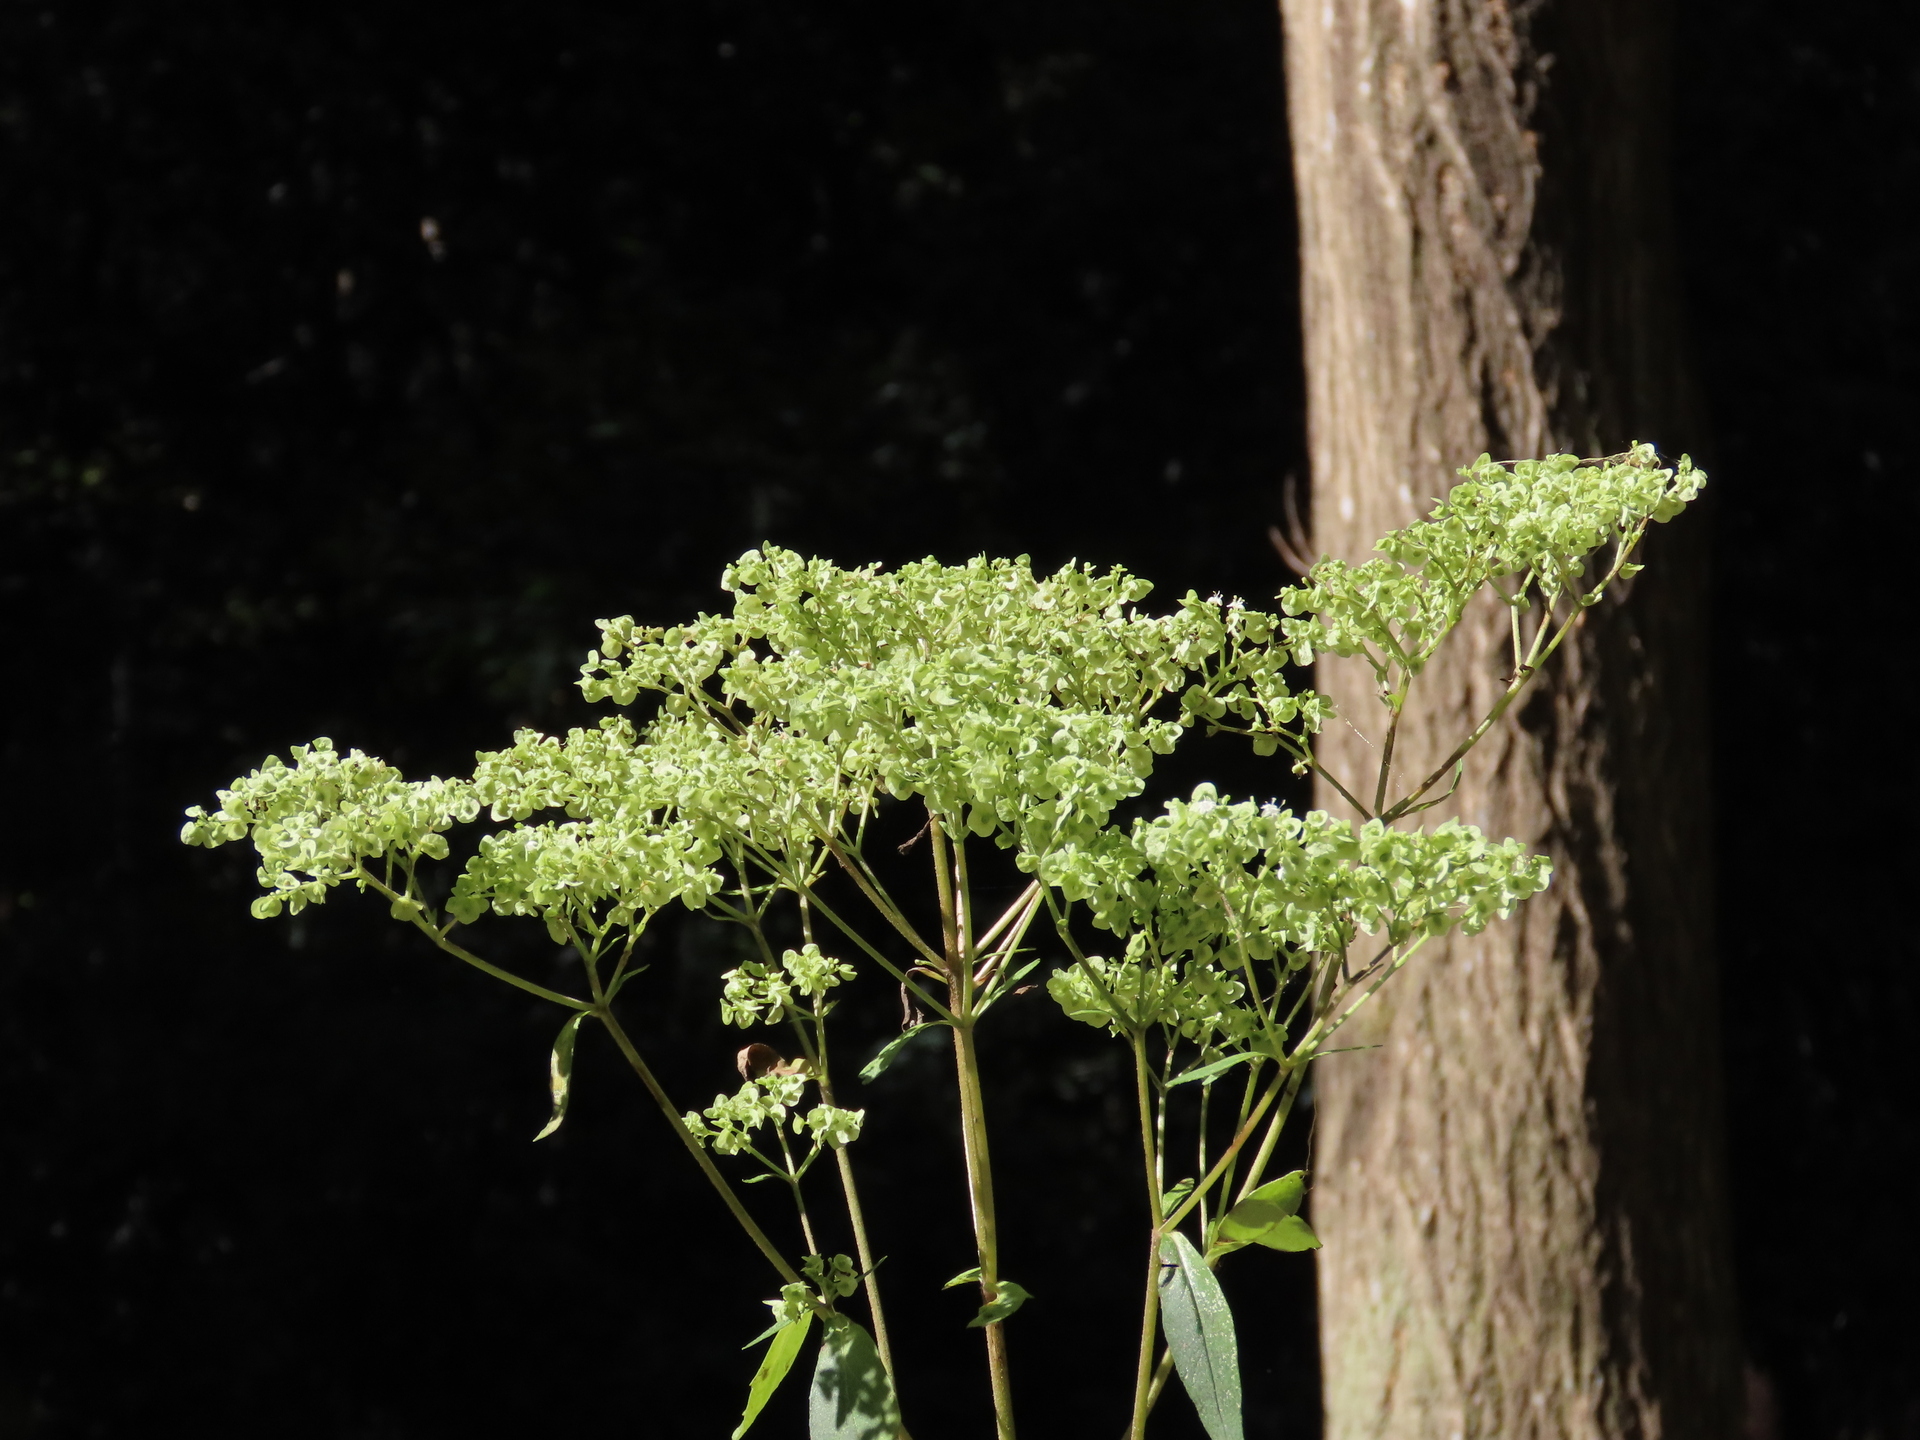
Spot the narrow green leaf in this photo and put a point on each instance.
(852, 1396)
(560, 1072)
(1215, 1068)
(774, 1366)
(965, 1277)
(1199, 1330)
(876, 1066)
(1010, 1299)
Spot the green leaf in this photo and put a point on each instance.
(1010, 1299)
(1257, 1222)
(774, 1366)
(1292, 1234)
(1287, 1192)
(852, 1396)
(965, 1277)
(1215, 1068)
(876, 1066)
(1199, 1330)
(560, 1073)
(1269, 1216)
(1171, 1200)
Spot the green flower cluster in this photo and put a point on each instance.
(1215, 884)
(314, 821)
(1016, 706)
(727, 1124)
(1533, 525)
(758, 994)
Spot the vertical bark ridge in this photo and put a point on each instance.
(1521, 1192)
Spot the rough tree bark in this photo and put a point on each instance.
(1522, 1194)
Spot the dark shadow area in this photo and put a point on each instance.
(1799, 154)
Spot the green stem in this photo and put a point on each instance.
(793, 1184)
(1150, 1309)
(1272, 1137)
(973, 1130)
(870, 1276)
(1163, 1372)
(879, 899)
(1240, 1138)
(1538, 657)
(943, 880)
(425, 926)
(698, 1151)
(1386, 755)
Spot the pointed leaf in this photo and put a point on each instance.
(560, 1072)
(852, 1396)
(1010, 1299)
(1199, 1330)
(884, 1058)
(963, 1278)
(774, 1366)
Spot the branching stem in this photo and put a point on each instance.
(698, 1151)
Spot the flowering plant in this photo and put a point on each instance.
(1223, 942)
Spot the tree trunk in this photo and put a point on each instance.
(1522, 1194)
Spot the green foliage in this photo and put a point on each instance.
(852, 1395)
(1008, 1298)
(774, 1366)
(1200, 1334)
(1269, 1216)
(561, 1072)
(884, 1056)
(1528, 527)
(833, 1277)
(758, 994)
(1018, 713)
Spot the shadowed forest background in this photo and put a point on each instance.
(350, 368)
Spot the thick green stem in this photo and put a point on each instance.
(698, 1151)
(1163, 1372)
(973, 1130)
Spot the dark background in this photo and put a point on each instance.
(869, 280)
